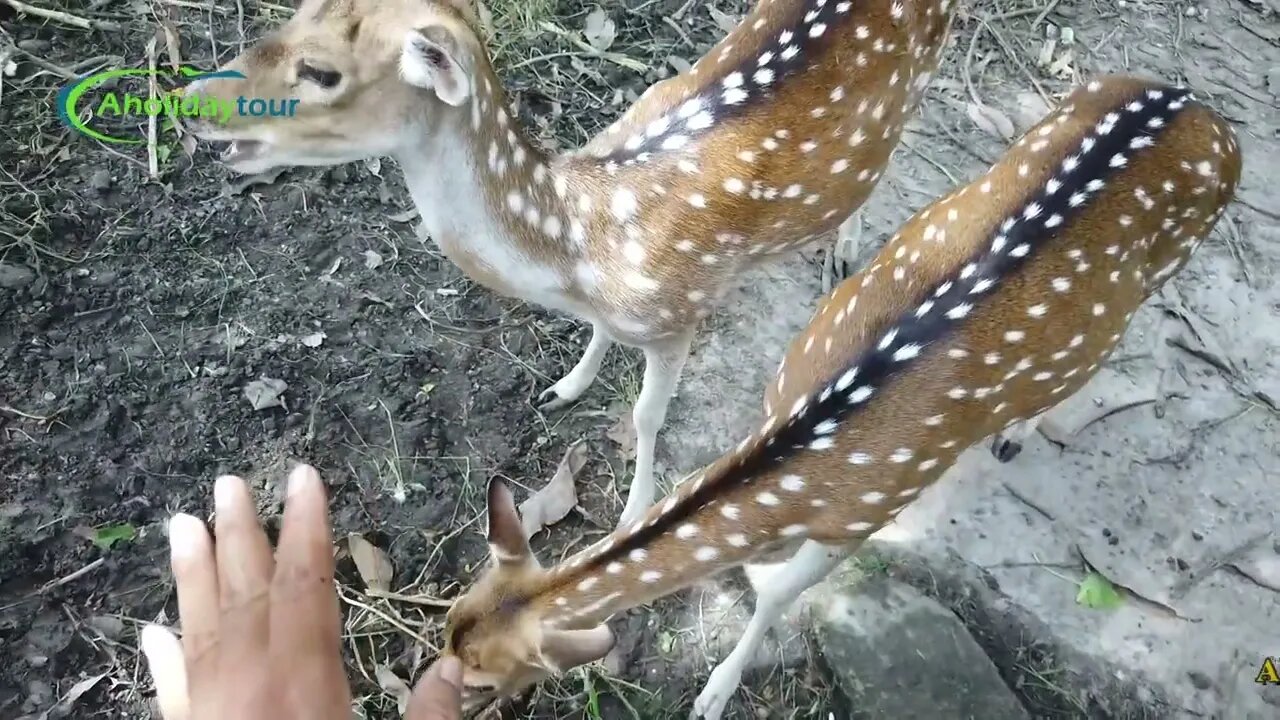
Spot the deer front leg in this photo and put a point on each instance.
(839, 262)
(810, 564)
(1007, 443)
(576, 381)
(662, 367)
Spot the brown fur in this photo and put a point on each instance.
(576, 593)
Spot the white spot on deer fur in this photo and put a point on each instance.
(793, 530)
(587, 583)
(638, 555)
(650, 576)
(767, 498)
(900, 455)
(1099, 309)
(686, 531)
(858, 526)
(736, 540)
(705, 554)
(1037, 311)
(859, 458)
(701, 121)
(613, 568)
(697, 200)
(839, 166)
(873, 497)
(623, 204)
(791, 483)
(1014, 336)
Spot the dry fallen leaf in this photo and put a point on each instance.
(991, 121)
(315, 339)
(623, 432)
(723, 20)
(265, 393)
(63, 707)
(372, 259)
(372, 562)
(599, 30)
(553, 502)
(394, 686)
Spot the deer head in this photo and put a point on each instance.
(344, 80)
(498, 628)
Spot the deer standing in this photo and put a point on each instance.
(989, 307)
(772, 140)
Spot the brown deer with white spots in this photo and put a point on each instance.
(770, 142)
(989, 307)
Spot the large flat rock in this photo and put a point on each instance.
(898, 654)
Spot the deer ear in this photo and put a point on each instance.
(431, 58)
(507, 540)
(565, 649)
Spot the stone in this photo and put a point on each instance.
(898, 654)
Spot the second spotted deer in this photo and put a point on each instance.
(988, 308)
(771, 142)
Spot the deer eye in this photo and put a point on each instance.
(323, 78)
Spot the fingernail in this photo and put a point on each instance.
(451, 671)
(301, 476)
(184, 535)
(224, 492)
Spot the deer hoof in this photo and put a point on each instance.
(1005, 450)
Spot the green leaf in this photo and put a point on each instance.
(1098, 593)
(108, 535)
(163, 152)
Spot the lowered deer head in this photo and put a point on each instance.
(499, 629)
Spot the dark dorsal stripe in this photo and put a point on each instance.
(1048, 210)
(812, 28)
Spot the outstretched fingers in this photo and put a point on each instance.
(195, 574)
(245, 567)
(305, 617)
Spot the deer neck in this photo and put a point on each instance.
(679, 543)
(491, 200)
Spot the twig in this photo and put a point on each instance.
(1044, 13)
(153, 156)
(64, 18)
(53, 584)
(394, 621)
(414, 599)
(1013, 57)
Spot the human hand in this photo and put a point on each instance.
(260, 636)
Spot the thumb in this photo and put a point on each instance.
(438, 695)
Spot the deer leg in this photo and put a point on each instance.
(1007, 443)
(576, 381)
(810, 564)
(838, 264)
(760, 575)
(662, 367)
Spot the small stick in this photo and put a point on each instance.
(53, 584)
(64, 18)
(153, 157)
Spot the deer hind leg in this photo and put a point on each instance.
(839, 262)
(810, 564)
(1006, 444)
(576, 381)
(662, 367)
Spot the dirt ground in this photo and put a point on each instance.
(138, 313)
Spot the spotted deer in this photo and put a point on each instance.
(987, 308)
(771, 141)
